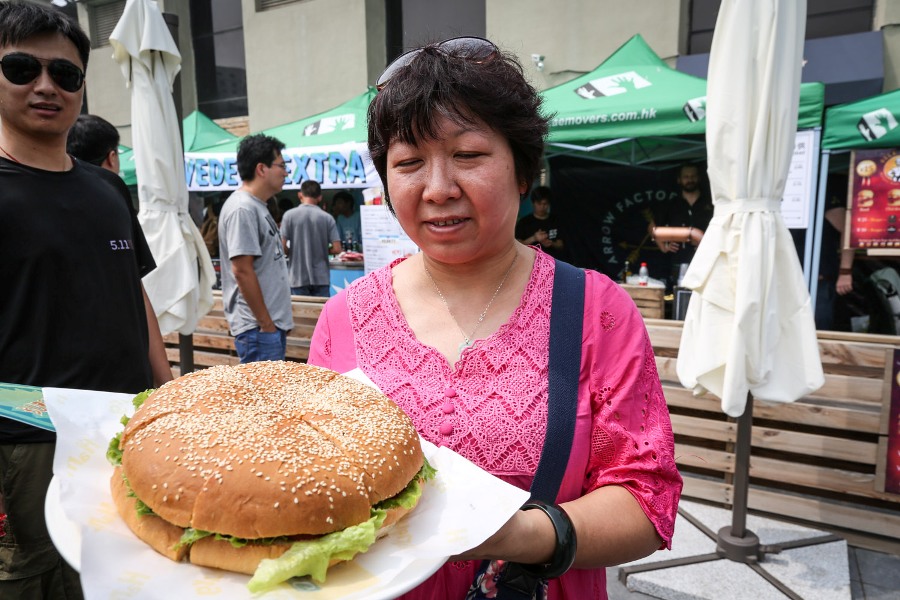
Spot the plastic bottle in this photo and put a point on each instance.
(643, 275)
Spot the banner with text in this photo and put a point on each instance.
(342, 166)
(874, 199)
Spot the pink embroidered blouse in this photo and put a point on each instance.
(491, 406)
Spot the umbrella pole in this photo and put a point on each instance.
(735, 542)
(185, 342)
(185, 353)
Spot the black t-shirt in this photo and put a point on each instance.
(529, 224)
(71, 306)
(678, 213)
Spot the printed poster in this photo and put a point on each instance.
(874, 199)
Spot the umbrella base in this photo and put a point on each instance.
(730, 549)
(744, 549)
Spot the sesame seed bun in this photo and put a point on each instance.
(262, 450)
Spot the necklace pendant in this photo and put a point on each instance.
(464, 344)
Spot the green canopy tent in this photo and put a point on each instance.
(635, 109)
(329, 147)
(868, 123)
(199, 131)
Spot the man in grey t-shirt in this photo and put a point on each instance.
(310, 234)
(256, 294)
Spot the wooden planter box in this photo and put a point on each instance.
(650, 301)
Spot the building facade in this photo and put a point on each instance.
(255, 64)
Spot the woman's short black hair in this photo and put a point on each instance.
(439, 84)
(20, 21)
(255, 149)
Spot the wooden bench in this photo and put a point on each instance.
(813, 461)
(214, 345)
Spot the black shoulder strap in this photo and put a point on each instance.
(566, 319)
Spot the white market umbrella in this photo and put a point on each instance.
(180, 288)
(749, 330)
(749, 326)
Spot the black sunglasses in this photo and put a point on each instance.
(471, 48)
(20, 68)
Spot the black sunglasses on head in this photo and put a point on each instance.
(21, 68)
(470, 47)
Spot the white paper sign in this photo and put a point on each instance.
(383, 238)
(800, 183)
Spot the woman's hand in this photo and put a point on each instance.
(507, 543)
(529, 538)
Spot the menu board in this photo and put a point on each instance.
(799, 184)
(383, 238)
(873, 200)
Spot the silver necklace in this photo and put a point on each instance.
(468, 340)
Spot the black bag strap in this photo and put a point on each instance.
(566, 320)
(566, 324)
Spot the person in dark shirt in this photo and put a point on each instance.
(678, 226)
(72, 307)
(541, 226)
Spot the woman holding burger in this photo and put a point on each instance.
(459, 334)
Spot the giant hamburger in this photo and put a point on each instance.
(275, 469)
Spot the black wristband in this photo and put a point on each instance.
(566, 541)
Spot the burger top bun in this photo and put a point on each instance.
(268, 449)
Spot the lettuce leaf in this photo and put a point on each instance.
(190, 536)
(312, 557)
(113, 451)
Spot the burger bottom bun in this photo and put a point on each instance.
(220, 554)
(157, 533)
(162, 536)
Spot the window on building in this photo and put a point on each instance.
(217, 29)
(824, 18)
(267, 4)
(102, 19)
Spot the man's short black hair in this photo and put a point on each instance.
(344, 196)
(311, 189)
(542, 193)
(688, 165)
(92, 138)
(256, 149)
(20, 21)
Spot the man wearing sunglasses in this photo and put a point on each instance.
(72, 310)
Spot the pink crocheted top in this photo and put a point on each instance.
(491, 406)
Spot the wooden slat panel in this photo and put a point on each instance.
(824, 446)
(847, 417)
(679, 397)
(704, 428)
(687, 455)
(706, 489)
(818, 477)
(825, 512)
(862, 390)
